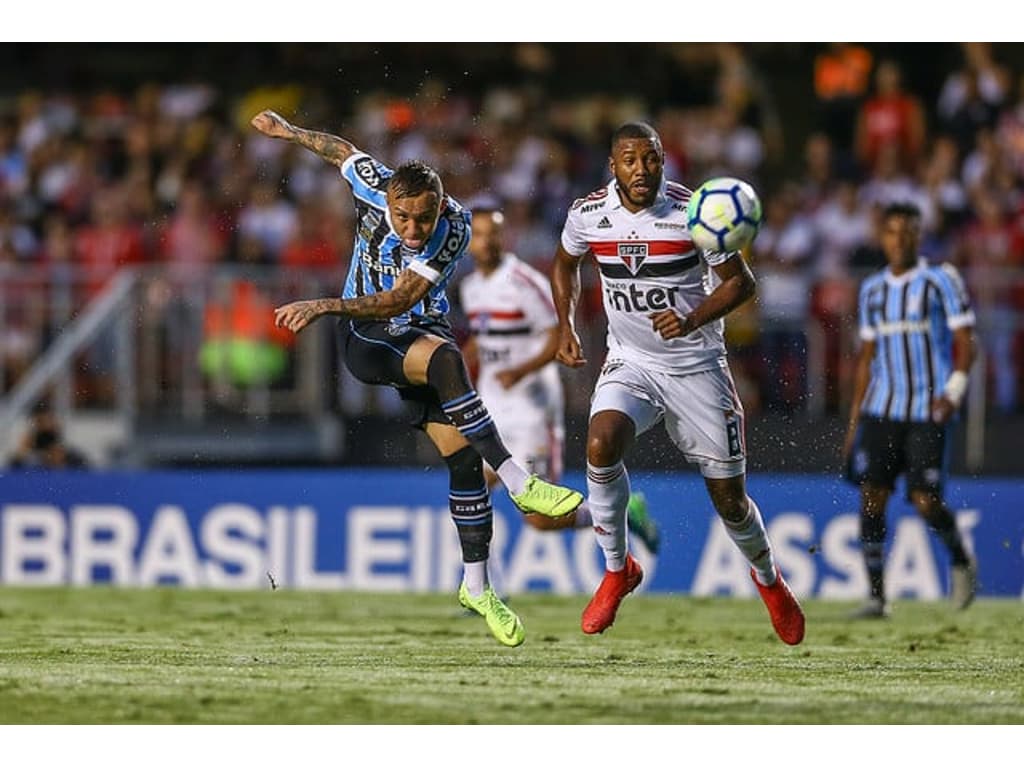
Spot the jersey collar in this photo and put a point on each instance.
(907, 276)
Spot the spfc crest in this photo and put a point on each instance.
(633, 255)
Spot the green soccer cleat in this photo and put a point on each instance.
(502, 622)
(546, 499)
(641, 523)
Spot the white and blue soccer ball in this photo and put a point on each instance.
(724, 214)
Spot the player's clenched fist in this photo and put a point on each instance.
(570, 351)
(669, 323)
(272, 124)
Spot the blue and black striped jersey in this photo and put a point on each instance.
(378, 255)
(911, 318)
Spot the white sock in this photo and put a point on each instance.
(583, 517)
(513, 476)
(475, 577)
(752, 539)
(607, 496)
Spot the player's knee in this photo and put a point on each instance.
(465, 468)
(446, 360)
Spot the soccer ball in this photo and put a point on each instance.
(723, 214)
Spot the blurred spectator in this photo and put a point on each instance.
(267, 222)
(981, 78)
(43, 446)
(842, 73)
(784, 251)
(992, 262)
(241, 343)
(891, 118)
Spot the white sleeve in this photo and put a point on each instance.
(573, 240)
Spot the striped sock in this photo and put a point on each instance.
(471, 417)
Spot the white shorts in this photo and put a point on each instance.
(531, 423)
(702, 412)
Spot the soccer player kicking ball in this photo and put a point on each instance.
(409, 238)
(666, 361)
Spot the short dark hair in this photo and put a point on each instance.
(635, 130)
(901, 208)
(413, 178)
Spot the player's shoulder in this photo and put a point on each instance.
(944, 271)
(677, 192)
(364, 170)
(595, 201)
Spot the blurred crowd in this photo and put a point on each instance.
(171, 175)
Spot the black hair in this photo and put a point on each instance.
(909, 210)
(413, 178)
(635, 130)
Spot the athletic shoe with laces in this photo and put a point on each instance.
(874, 608)
(600, 611)
(785, 612)
(964, 584)
(503, 623)
(641, 523)
(546, 498)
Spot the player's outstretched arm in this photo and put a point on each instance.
(333, 149)
(409, 289)
(565, 290)
(861, 379)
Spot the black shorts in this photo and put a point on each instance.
(375, 350)
(886, 449)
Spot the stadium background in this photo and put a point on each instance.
(146, 231)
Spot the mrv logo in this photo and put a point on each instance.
(633, 255)
(628, 297)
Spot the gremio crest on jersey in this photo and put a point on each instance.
(633, 255)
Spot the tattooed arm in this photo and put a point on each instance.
(409, 289)
(333, 149)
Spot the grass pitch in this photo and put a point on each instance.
(166, 656)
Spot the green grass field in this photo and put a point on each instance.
(99, 655)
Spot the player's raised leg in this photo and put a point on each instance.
(439, 364)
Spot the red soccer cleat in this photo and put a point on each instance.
(785, 612)
(600, 611)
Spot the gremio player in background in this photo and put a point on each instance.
(917, 346)
(409, 237)
(513, 339)
(666, 362)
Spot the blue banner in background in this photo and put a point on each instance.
(389, 530)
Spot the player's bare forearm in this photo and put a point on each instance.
(861, 378)
(333, 149)
(965, 349)
(565, 290)
(409, 289)
(565, 287)
(738, 286)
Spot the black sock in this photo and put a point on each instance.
(470, 504)
(446, 373)
(944, 524)
(872, 539)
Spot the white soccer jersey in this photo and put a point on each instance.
(648, 264)
(509, 312)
